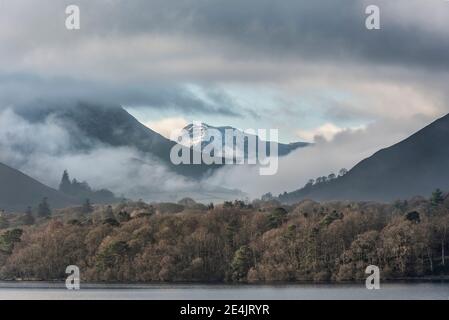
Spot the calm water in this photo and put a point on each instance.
(40, 290)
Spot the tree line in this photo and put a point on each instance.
(235, 242)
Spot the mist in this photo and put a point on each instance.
(44, 149)
(324, 157)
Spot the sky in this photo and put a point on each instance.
(308, 68)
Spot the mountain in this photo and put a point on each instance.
(114, 126)
(205, 133)
(415, 166)
(92, 126)
(18, 191)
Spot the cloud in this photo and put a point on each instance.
(199, 33)
(326, 131)
(44, 149)
(346, 149)
(146, 52)
(27, 89)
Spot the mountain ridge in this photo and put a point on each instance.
(414, 166)
(205, 139)
(112, 125)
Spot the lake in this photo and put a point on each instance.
(57, 291)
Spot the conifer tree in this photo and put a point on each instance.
(43, 209)
(65, 185)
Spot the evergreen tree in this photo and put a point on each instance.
(65, 185)
(277, 217)
(9, 239)
(437, 198)
(43, 209)
(28, 218)
(241, 263)
(108, 213)
(109, 218)
(123, 216)
(267, 197)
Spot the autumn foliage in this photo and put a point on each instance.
(308, 241)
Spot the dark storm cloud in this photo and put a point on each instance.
(319, 29)
(233, 40)
(25, 89)
(144, 52)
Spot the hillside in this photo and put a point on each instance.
(17, 191)
(415, 166)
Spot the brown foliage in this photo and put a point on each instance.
(310, 241)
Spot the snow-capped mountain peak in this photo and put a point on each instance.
(201, 134)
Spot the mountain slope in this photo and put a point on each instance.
(148, 174)
(17, 191)
(414, 166)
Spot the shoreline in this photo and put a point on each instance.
(57, 284)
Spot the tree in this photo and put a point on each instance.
(239, 204)
(65, 185)
(9, 238)
(43, 209)
(4, 223)
(87, 207)
(413, 216)
(241, 263)
(112, 255)
(112, 222)
(342, 172)
(437, 198)
(123, 216)
(443, 230)
(277, 217)
(362, 252)
(267, 197)
(331, 217)
(28, 218)
(332, 176)
(227, 204)
(80, 187)
(309, 183)
(108, 213)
